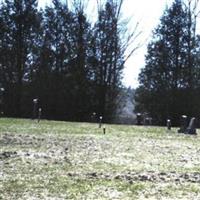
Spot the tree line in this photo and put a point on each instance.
(72, 65)
(170, 80)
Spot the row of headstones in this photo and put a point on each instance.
(35, 104)
(184, 127)
(38, 113)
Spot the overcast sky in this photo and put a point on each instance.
(147, 13)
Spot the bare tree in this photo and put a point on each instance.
(115, 45)
(192, 7)
(192, 11)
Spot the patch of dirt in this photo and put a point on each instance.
(11, 139)
(86, 151)
(144, 176)
(8, 154)
(35, 148)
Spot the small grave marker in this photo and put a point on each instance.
(35, 102)
(139, 119)
(2, 90)
(39, 114)
(148, 121)
(169, 125)
(100, 121)
(183, 123)
(104, 130)
(93, 117)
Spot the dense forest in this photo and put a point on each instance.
(71, 65)
(170, 80)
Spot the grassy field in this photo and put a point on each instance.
(61, 160)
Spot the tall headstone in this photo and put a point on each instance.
(169, 124)
(183, 124)
(192, 127)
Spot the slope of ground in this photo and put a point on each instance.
(58, 160)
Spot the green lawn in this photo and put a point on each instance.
(62, 160)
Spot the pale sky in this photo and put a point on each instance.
(147, 13)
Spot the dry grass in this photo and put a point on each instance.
(58, 160)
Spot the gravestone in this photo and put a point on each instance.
(192, 127)
(94, 117)
(169, 125)
(104, 130)
(139, 119)
(183, 124)
(100, 121)
(148, 121)
(39, 114)
(35, 103)
(2, 90)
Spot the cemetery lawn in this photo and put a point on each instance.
(63, 160)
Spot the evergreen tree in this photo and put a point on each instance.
(73, 66)
(81, 71)
(63, 70)
(56, 53)
(167, 76)
(20, 22)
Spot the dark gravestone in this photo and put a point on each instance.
(192, 127)
(183, 124)
(104, 130)
(139, 119)
(169, 124)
